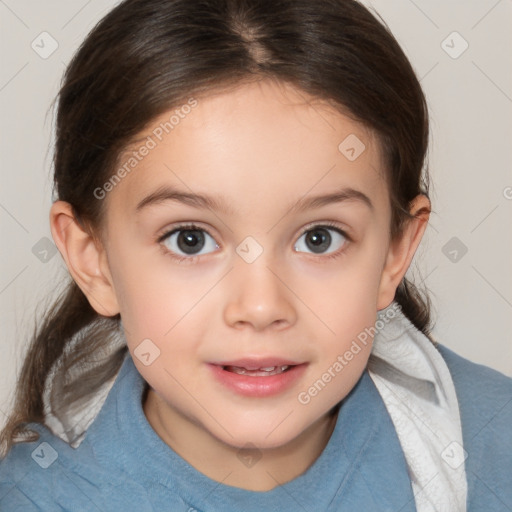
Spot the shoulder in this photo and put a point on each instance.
(28, 471)
(484, 394)
(481, 389)
(34, 474)
(485, 403)
(38, 475)
(466, 371)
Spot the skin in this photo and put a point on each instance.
(261, 147)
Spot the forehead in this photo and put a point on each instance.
(253, 143)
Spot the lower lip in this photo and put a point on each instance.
(258, 386)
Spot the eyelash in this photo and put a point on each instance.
(331, 225)
(192, 227)
(181, 227)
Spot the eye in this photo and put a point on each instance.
(189, 241)
(321, 240)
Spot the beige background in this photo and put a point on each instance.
(470, 100)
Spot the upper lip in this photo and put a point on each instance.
(258, 362)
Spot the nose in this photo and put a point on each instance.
(258, 298)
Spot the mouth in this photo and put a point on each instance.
(258, 377)
(258, 366)
(258, 372)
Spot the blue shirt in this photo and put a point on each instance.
(123, 465)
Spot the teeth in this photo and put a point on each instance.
(260, 372)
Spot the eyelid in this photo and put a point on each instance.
(167, 232)
(178, 258)
(195, 225)
(327, 224)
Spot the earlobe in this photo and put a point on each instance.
(86, 261)
(402, 250)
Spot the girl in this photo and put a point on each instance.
(239, 196)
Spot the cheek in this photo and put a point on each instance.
(160, 303)
(344, 298)
(344, 294)
(143, 295)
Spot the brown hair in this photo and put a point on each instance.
(148, 56)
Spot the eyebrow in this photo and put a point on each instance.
(167, 193)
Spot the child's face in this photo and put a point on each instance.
(257, 288)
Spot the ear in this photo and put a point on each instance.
(401, 251)
(85, 258)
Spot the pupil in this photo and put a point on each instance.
(191, 241)
(318, 240)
